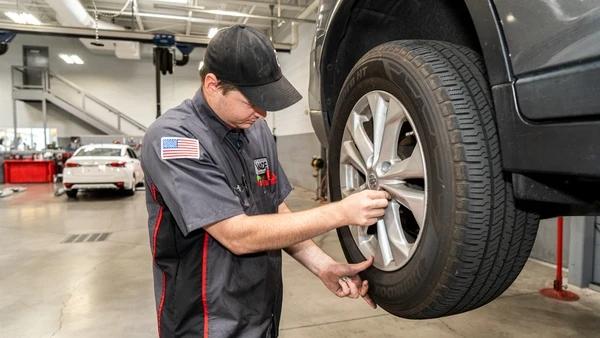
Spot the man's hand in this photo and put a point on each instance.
(364, 208)
(343, 280)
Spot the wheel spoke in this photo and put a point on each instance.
(395, 117)
(379, 108)
(351, 156)
(412, 199)
(384, 243)
(359, 135)
(396, 235)
(411, 167)
(351, 189)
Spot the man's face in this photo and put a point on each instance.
(237, 111)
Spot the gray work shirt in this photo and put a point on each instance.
(199, 172)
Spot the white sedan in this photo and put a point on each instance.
(102, 166)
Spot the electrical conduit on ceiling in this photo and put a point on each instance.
(71, 13)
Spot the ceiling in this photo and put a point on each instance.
(193, 18)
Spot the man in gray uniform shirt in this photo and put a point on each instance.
(215, 199)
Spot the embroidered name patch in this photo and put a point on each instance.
(179, 147)
(264, 176)
(261, 165)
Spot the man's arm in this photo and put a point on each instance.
(244, 234)
(328, 270)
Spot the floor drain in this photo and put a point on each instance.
(94, 237)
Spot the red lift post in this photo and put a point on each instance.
(558, 292)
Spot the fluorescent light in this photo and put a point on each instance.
(212, 32)
(76, 59)
(200, 65)
(23, 18)
(72, 59)
(66, 58)
(225, 13)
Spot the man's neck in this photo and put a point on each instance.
(210, 102)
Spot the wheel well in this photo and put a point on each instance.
(359, 26)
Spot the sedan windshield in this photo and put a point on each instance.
(98, 152)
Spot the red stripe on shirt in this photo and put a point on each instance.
(204, 273)
(156, 228)
(162, 300)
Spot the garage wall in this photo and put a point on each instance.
(128, 85)
(544, 248)
(296, 140)
(295, 154)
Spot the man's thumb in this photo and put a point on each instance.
(358, 267)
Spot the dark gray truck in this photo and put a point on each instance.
(479, 117)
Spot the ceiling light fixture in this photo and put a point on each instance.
(226, 13)
(23, 18)
(76, 59)
(176, 1)
(71, 59)
(66, 58)
(212, 32)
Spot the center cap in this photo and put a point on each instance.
(372, 181)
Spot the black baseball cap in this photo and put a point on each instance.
(245, 57)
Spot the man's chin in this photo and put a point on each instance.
(245, 125)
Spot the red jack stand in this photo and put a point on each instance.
(557, 292)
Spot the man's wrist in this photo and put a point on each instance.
(335, 213)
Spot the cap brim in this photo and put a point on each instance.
(272, 96)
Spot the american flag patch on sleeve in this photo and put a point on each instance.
(179, 147)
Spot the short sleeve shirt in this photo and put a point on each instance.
(199, 172)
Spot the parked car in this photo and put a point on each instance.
(477, 116)
(103, 166)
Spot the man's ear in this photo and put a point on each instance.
(211, 83)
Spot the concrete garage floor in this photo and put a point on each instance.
(104, 288)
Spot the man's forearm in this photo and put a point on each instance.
(311, 256)
(247, 234)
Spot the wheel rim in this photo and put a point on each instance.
(381, 150)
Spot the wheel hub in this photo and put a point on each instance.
(372, 182)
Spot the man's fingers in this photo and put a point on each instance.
(345, 288)
(369, 301)
(379, 194)
(358, 267)
(353, 289)
(379, 203)
(376, 213)
(364, 289)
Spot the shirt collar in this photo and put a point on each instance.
(211, 119)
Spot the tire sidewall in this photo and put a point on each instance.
(407, 287)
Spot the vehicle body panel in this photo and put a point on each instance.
(546, 96)
(548, 33)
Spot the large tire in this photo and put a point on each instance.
(474, 240)
(130, 192)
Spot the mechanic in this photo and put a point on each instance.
(215, 199)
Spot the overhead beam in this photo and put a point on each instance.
(178, 17)
(236, 14)
(252, 3)
(82, 32)
(136, 12)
